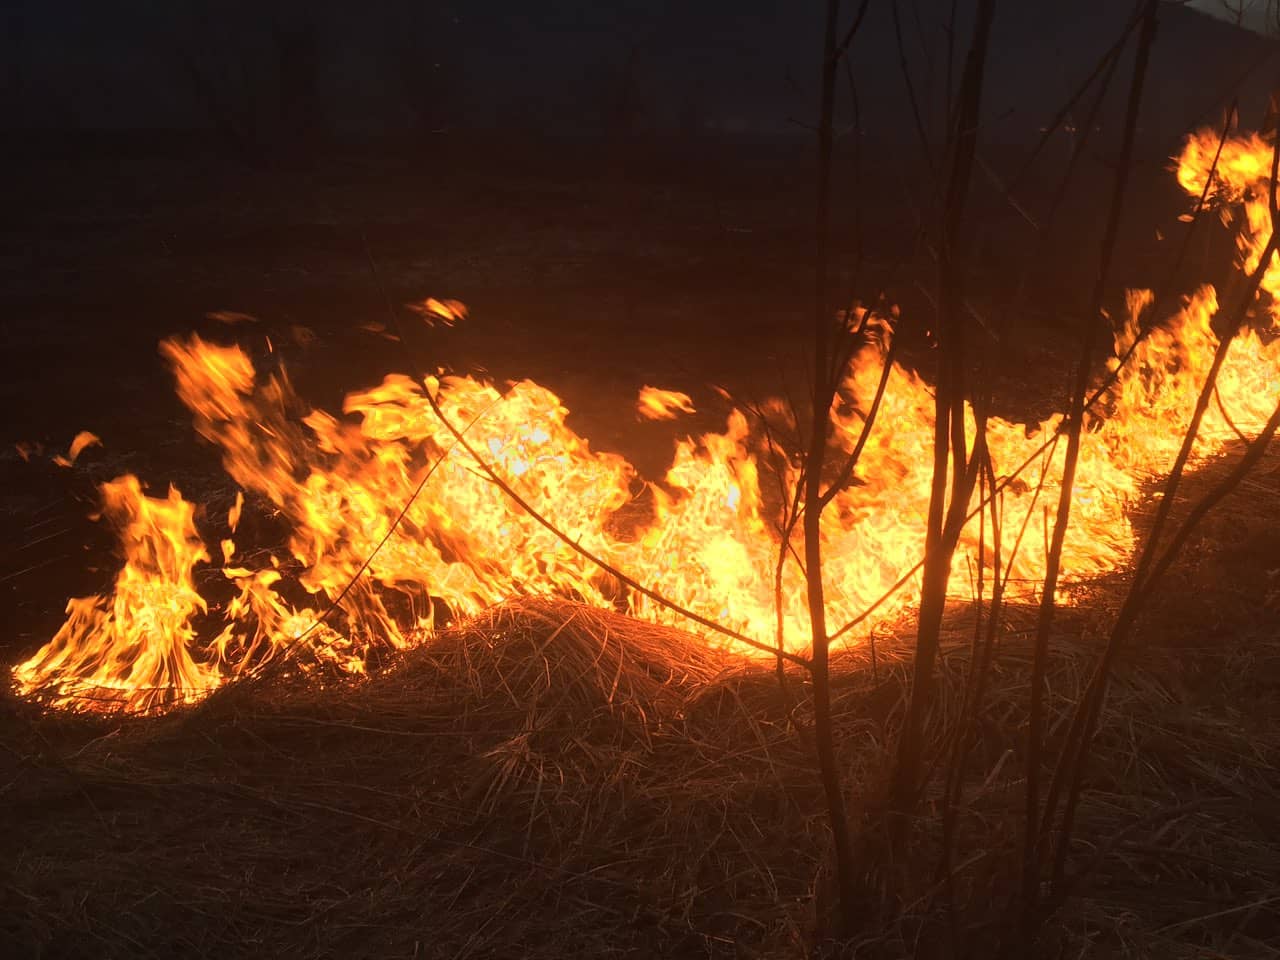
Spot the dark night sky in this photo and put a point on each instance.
(563, 66)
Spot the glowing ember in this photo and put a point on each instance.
(709, 542)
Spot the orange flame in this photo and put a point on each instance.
(707, 537)
(79, 444)
(447, 312)
(654, 403)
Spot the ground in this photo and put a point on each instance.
(593, 269)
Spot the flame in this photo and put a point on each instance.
(81, 442)
(1239, 182)
(136, 648)
(432, 311)
(654, 403)
(395, 527)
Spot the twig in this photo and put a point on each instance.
(823, 391)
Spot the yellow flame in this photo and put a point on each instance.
(134, 649)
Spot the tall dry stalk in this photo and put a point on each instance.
(1093, 319)
(954, 472)
(824, 387)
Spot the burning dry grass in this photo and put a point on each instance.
(551, 779)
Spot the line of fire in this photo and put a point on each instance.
(730, 481)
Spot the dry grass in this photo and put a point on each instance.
(551, 780)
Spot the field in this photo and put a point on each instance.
(549, 779)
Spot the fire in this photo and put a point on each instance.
(396, 528)
(655, 403)
(79, 444)
(1240, 182)
(433, 311)
(137, 647)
